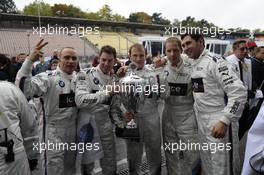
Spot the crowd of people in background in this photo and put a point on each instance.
(208, 101)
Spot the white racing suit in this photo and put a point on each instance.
(148, 120)
(212, 80)
(57, 90)
(91, 96)
(255, 142)
(20, 127)
(178, 120)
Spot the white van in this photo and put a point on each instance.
(217, 46)
(155, 45)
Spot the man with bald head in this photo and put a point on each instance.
(57, 90)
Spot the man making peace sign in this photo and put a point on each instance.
(57, 90)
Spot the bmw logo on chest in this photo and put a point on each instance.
(96, 81)
(61, 83)
(166, 73)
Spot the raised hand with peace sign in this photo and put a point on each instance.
(37, 51)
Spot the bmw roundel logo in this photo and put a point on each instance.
(178, 89)
(96, 81)
(166, 73)
(61, 83)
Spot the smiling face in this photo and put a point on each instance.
(68, 60)
(173, 52)
(107, 62)
(191, 47)
(138, 56)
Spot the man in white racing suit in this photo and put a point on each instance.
(92, 95)
(255, 144)
(147, 119)
(219, 97)
(57, 90)
(18, 129)
(179, 125)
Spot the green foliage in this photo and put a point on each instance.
(191, 22)
(158, 19)
(119, 18)
(64, 10)
(140, 17)
(105, 13)
(92, 15)
(32, 8)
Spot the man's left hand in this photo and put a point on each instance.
(219, 130)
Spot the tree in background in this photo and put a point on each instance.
(75, 12)
(7, 6)
(140, 17)
(64, 10)
(119, 18)
(158, 19)
(59, 10)
(105, 13)
(176, 23)
(190, 21)
(92, 15)
(32, 9)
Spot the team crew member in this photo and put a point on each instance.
(18, 129)
(213, 79)
(178, 120)
(147, 119)
(97, 102)
(57, 90)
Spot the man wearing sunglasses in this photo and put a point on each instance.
(240, 62)
(243, 68)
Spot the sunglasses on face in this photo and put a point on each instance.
(243, 49)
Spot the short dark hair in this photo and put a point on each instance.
(4, 60)
(108, 49)
(237, 42)
(7, 69)
(137, 46)
(195, 37)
